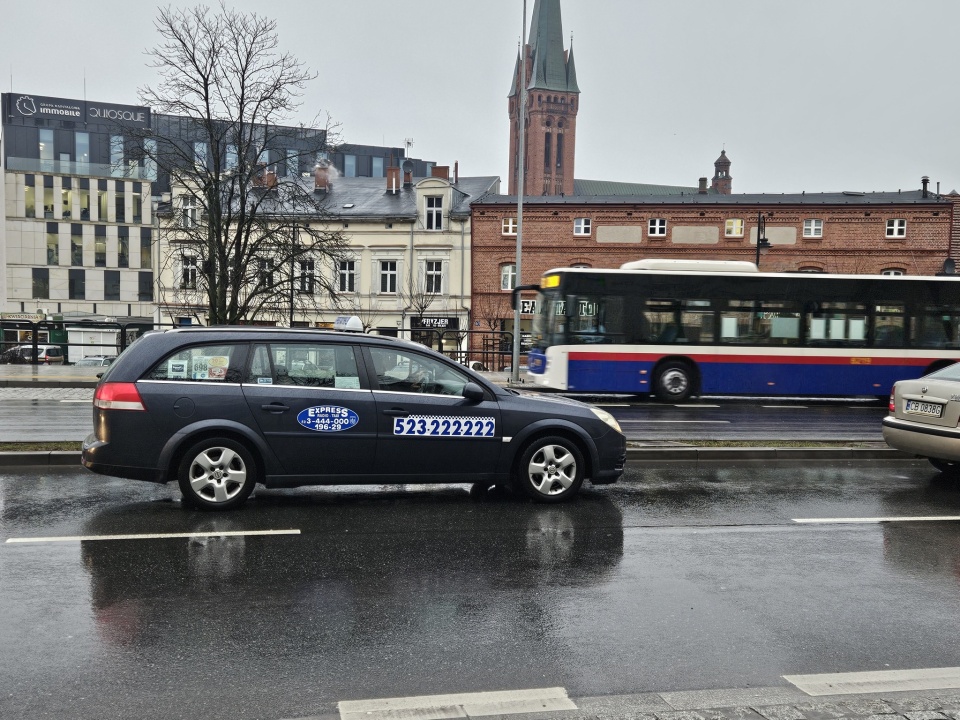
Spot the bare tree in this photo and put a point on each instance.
(245, 242)
(490, 310)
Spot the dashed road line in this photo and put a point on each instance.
(874, 520)
(877, 681)
(462, 705)
(151, 536)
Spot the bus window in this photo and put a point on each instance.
(678, 321)
(760, 323)
(596, 319)
(888, 325)
(936, 328)
(836, 323)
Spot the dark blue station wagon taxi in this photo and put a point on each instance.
(222, 409)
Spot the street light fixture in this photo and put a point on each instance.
(763, 245)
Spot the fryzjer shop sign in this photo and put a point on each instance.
(30, 106)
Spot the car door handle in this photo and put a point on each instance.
(396, 412)
(275, 408)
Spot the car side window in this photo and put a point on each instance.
(202, 363)
(406, 371)
(328, 365)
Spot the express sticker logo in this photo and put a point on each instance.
(328, 418)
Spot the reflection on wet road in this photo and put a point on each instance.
(681, 578)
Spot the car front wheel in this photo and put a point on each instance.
(550, 470)
(217, 474)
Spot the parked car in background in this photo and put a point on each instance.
(95, 361)
(48, 355)
(924, 418)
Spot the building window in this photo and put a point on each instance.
(145, 286)
(76, 244)
(41, 283)
(347, 276)
(231, 160)
(189, 211)
(188, 272)
(77, 286)
(813, 228)
(46, 149)
(733, 228)
(435, 213)
(100, 248)
(111, 284)
(349, 165)
(810, 269)
(81, 149)
(53, 244)
(293, 162)
(559, 152)
(376, 168)
(200, 154)
(896, 228)
(657, 227)
(508, 226)
(892, 271)
(433, 277)
(123, 247)
(547, 146)
(581, 226)
(116, 155)
(307, 281)
(30, 200)
(266, 272)
(146, 250)
(150, 159)
(508, 276)
(388, 276)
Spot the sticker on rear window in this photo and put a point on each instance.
(328, 418)
(445, 426)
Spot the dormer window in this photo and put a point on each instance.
(434, 212)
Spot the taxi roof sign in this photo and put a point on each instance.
(349, 323)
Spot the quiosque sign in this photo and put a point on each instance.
(328, 418)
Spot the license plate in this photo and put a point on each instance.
(923, 408)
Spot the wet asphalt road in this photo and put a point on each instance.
(54, 414)
(678, 578)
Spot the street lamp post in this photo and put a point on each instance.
(762, 243)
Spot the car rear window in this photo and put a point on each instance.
(202, 363)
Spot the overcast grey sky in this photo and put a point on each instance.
(817, 95)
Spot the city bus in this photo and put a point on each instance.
(677, 328)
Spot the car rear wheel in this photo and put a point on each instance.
(550, 470)
(217, 474)
(948, 467)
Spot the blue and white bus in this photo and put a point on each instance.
(677, 328)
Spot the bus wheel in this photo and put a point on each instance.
(947, 467)
(674, 381)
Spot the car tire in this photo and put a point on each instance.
(550, 469)
(217, 474)
(674, 382)
(947, 467)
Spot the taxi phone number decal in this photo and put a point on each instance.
(328, 418)
(444, 426)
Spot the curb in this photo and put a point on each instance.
(60, 458)
(47, 383)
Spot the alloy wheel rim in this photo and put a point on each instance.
(552, 470)
(218, 474)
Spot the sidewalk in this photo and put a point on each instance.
(48, 375)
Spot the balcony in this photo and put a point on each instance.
(128, 171)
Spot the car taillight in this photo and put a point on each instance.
(118, 396)
(892, 407)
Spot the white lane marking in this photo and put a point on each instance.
(696, 406)
(904, 518)
(877, 681)
(439, 707)
(151, 536)
(610, 404)
(78, 400)
(791, 407)
(708, 422)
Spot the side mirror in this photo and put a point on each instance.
(472, 391)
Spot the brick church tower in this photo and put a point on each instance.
(553, 99)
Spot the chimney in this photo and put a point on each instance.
(408, 178)
(456, 172)
(925, 181)
(440, 171)
(321, 177)
(265, 178)
(702, 190)
(393, 180)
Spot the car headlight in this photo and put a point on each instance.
(607, 418)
